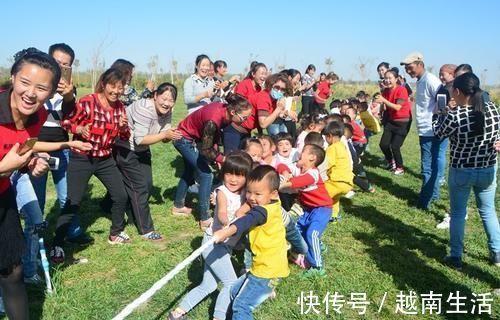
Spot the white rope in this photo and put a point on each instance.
(160, 283)
(45, 265)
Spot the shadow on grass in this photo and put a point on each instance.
(394, 247)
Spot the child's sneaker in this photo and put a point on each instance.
(390, 165)
(299, 260)
(154, 236)
(349, 195)
(174, 315)
(56, 255)
(322, 247)
(445, 224)
(36, 279)
(399, 171)
(313, 273)
(121, 238)
(453, 262)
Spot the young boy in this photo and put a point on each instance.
(268, 149)
(267, 242)
(339, 167)
(358, 136)
(287, 155)
(314, 198)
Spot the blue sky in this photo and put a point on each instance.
(292, 33)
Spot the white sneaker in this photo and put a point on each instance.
(349, 195)
(445, 224)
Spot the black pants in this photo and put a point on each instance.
(138, 181)
(307, 102)
(394, 135)
(80, 170)
(316, 107)
(287, 200)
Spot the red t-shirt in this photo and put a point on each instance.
(192, 126)
(324, 90)
(246, 88)
(393, 95)
(358, 135)
(10, 135)
(263, 103)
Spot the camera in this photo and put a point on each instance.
(53, 162)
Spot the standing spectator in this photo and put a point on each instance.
(473, 127)
(199, 88)
(292, 100)
(35, 76)
(398, 121)
(308, 82)
(129, 92)
(222, 86)
(200, 132)
(324, 91)
(430, 145)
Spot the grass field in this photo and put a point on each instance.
(383, 245)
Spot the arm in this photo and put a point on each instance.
(266, 120)
(396, 106)
(13, 161)
(142, 122)
(256, 217)
(207, 143)
(242, 210)
(222, 208)
(75, 121)
(298, 182)
(41, 146)
(444, 125)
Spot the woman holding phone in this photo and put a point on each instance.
(34, 77)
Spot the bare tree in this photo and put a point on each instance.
(153, 67)
(76, 65)
(173, 70)
(329, 64)
(97, 63)
(363, 67)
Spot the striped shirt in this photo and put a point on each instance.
(143, 120)
(104, 124)
(194, 86)
(308, 80)
(469, 149)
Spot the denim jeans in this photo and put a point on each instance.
(442, 160)
(294, 237)
(194, 165)
(483, 182)
(276, 127)
(248, 293)
(59, 177)
(27, 204)
(429, 163)
(217, 268)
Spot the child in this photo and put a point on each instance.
(268, 149)
(218, 267)
(371, 124)
(253, 147)
(358, 136)
(316, 203)
(375, 107)
(358, 169)
(339, 167)
(267, 242)
(288, 156)
(335, 106)
(318, 139)
(310, 123)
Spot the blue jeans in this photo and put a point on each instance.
(59, 177)
(442, 160)
(483, 182)
(27, 204)
(248, 293)
(429, 163)
(195, 165)
(293, 236)
(217, 268)
(276, 127)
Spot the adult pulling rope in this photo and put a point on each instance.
(160, 283)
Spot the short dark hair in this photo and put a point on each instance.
(219, 63)
(199, 59)
(363, 106)
(335, 129)
(64, 48)
(346, 117)
(317, 151)
(238, 163)
(266, 137)
(265, 172)
(383, 64)
(314, 138)
(237, 103)
(464, 68)
(310, 67)
(125, 66)
(166, 86)
(39, 58)
(247, 142)
(283, 136)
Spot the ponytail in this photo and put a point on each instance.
(468, 85)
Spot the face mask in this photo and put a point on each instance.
(276, 94)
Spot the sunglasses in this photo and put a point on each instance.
(278, 88)
(242, 118)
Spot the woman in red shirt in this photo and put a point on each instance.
(398, 108)
(323, 92)
(35, 76)
(99, 118)
(234, 134)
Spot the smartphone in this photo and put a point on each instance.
(66, 74)
(27, 146)
(441, 102)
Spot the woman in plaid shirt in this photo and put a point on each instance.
(473, 126)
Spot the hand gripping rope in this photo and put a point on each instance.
(163, 281)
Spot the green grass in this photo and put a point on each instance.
(383, 244)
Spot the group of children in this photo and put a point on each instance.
(278, 190)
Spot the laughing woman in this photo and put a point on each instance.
(34, 76)
(149, 122)
(99, 118)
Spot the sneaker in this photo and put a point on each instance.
(299, 260)
(36, 279)
(453, 262)
(312, 273)
(121, 238)
(349, 195)
(184, 211)
(495, 258)
(399, 171)
(153, 236)
(390, 165)
(322, 247)
(205, 224)
(56, 255)
(371, 189)
(445, 224)
(81, 240)
(173, 315)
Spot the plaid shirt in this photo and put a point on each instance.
(469, 149)
(104, 124)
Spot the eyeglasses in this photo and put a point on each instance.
(242, 118)
(278, 88)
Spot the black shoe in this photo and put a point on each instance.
(453, 262)
(81, 240)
